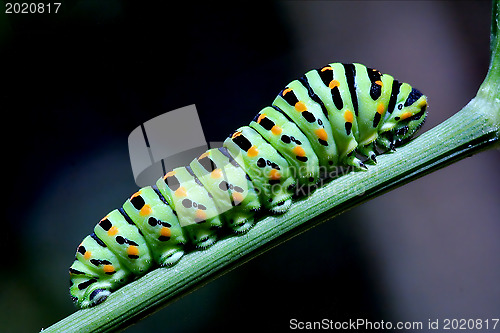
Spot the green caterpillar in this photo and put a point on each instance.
(330, 117)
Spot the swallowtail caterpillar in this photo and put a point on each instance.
(337, 115)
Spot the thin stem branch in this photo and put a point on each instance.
(475, 128)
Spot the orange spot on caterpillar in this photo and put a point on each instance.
(406, 115)
(112, 231)
(327, 68)
(133, 250)
(379, 82)
(87, 255)
(321, 133)
(274, 174)
(180, 192)
(300, 106)
(217, 173)
(108, 268)
(252, 151)
(235, 134)
(261, 116)
(165, 232)
(205, 154)
(276, 130)
(145, 210)
(201, 215)
(299, 151)
(237, 197)
(333, 84)
(380, 108)
(348, 116)
(286, 91)
(135, 194)
(169, 174)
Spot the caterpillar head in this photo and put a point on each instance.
(410, 111)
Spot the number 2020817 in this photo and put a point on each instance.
(32, 8)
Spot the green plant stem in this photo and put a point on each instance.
(475, 128)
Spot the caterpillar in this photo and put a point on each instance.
(340, 115)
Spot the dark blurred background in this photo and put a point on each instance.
(76, 83)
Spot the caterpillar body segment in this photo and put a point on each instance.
(336, 115)
(158, 224)
(268, 170)
(124, 239)
(195, 207)
(288, 139)
(233, 192)
(295, 103)
(331, 86)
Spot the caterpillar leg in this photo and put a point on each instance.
(241, 217)
(281, 207)
(369, 152)
(356, 163)
(385, 143)
(240, 225)
(201, 234)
